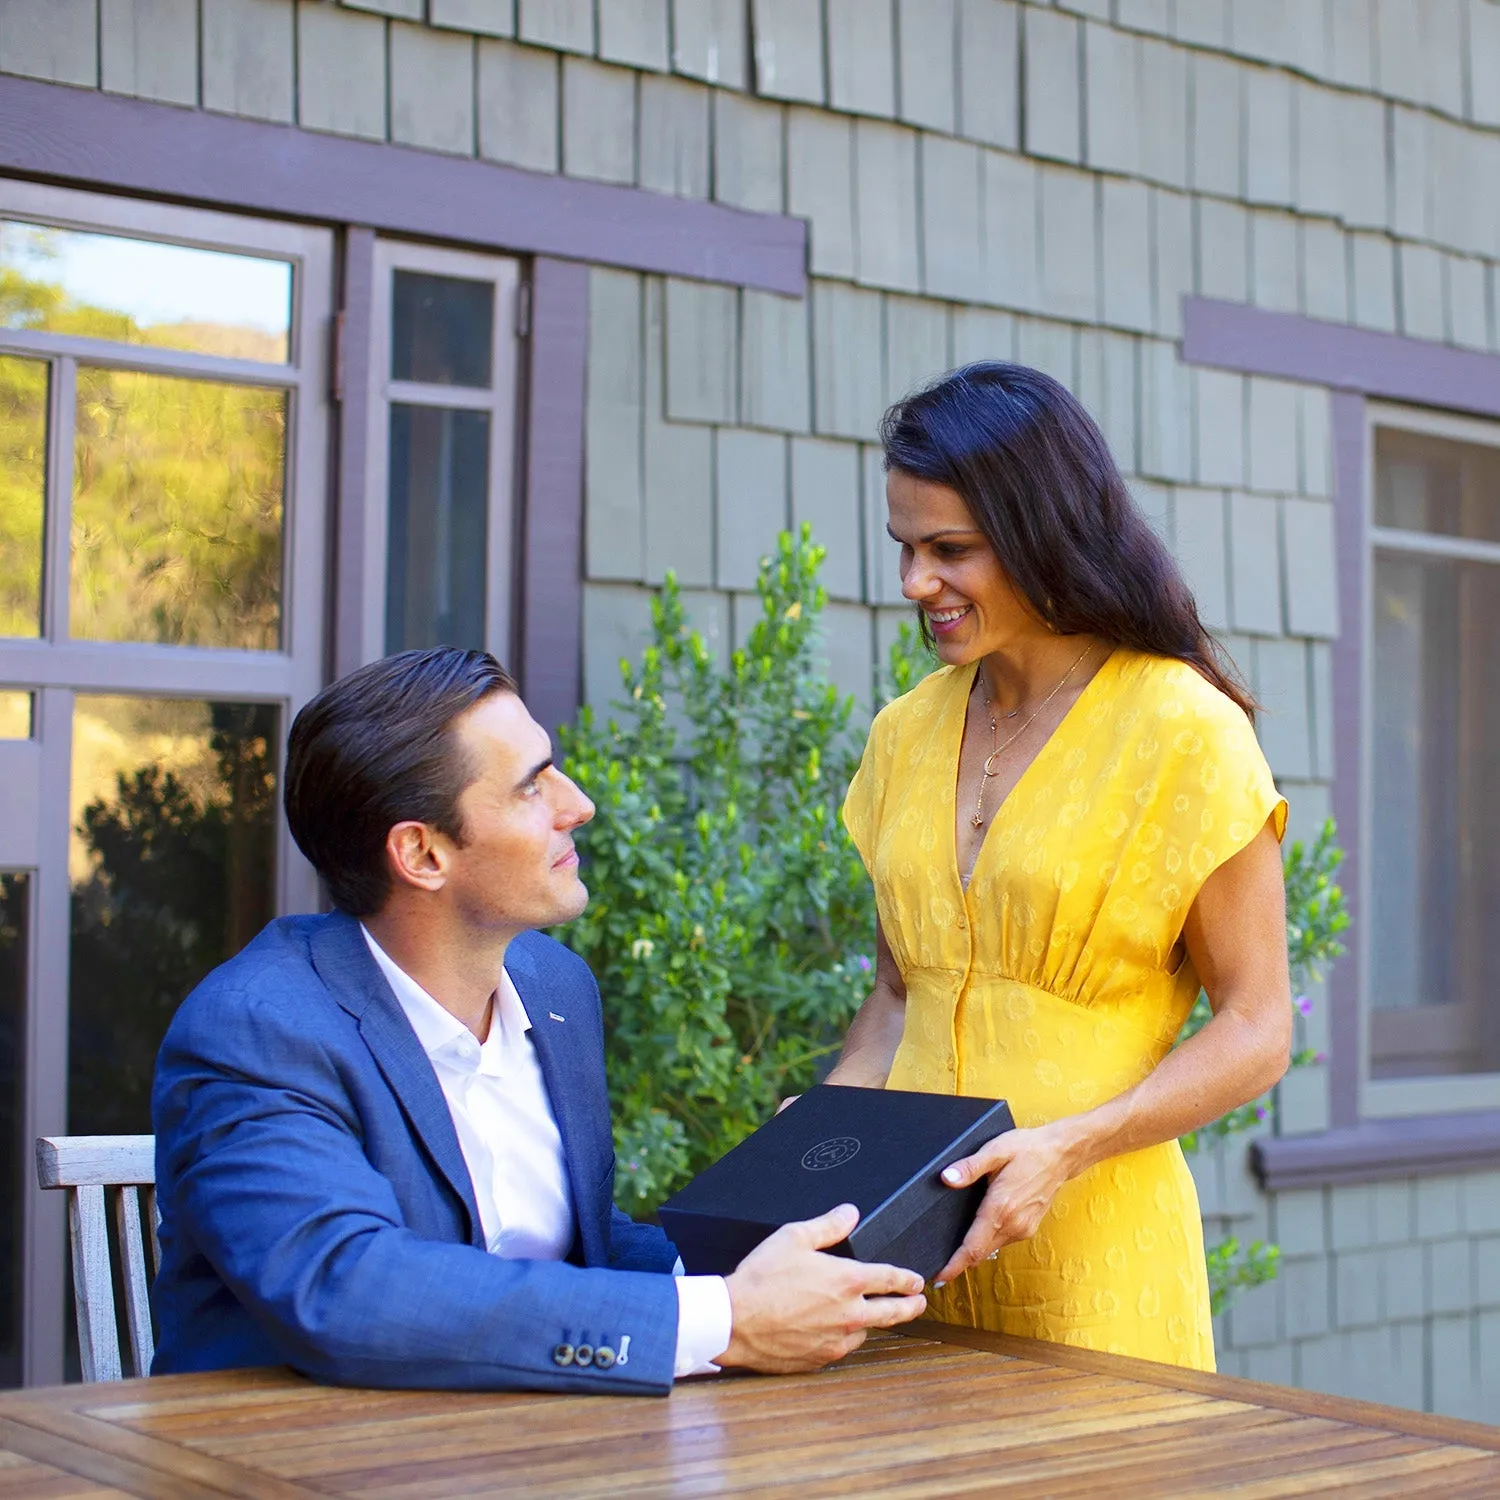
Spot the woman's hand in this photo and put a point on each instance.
(1025, 1168)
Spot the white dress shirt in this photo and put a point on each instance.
(509, 1138)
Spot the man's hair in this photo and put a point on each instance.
(377, 748)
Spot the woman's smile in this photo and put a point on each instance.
(945, 621)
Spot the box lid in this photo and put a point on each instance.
(841, 1145)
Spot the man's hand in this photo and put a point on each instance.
(797, 1309)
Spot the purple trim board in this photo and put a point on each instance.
(1357, 365)
(550, 617)
(101, 140)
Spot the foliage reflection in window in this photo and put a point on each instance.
(23, 479)
(177, 511)
(173, 871)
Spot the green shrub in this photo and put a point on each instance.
(731, 922)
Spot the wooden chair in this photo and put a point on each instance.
(87, 1166)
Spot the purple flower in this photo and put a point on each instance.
(1320, 1057)
(864, 964)
(1303, 1004)
(1261, 1114)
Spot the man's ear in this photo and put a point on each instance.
(418, 856)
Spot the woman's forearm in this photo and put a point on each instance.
(1235, 1058)
(870, 1047)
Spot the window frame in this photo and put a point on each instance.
(36, 774)
(1398, 1098)
(502, 401)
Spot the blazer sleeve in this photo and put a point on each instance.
(260, 1144)
(639, 1247)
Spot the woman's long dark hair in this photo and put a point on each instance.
(1038, 479)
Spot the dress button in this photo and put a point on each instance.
(604, 1357)
(583, 1355)
(963, 925)
(563, 1354)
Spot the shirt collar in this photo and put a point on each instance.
(439, 1031)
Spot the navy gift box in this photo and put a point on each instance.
(880, 1149)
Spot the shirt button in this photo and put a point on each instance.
(563, 1354)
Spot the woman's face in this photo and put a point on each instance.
(951, 572)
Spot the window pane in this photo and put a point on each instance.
(23, 485)
(15, 930)
(442, 329)
(177, 511)
(15, 714)
(1435, 945)
(108, 286)
(438, 503)
(1436, 485)
(172, 863)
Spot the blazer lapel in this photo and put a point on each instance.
(557, 1052)
(343, 959)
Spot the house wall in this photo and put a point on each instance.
(982, 178)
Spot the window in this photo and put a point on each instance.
(1433, 727)
(163, 514)
(441, 524)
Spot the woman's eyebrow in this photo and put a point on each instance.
(933, 536)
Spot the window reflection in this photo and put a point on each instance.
(442, 329)
(438, 523)
(172, 863)
(14, 954)
(23, 484)
(15, 714)
(177, 511)
(1436, 485)
(132, 291)
(1436, 857)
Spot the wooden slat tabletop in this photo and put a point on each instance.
(937, 1411)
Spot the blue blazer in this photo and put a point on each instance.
(316, 1209)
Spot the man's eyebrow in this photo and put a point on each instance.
(533, 773)
(934, 535)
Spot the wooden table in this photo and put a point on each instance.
(939, 1411)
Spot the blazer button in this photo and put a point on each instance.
(564, 1354)
(583, 1354)
(604, 1357)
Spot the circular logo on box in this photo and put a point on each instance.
(831, 1153)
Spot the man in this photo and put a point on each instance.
(383, 1141)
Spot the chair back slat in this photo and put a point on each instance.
(87, 1167)
(98, 1344)
(153, 1217)
(133, 1269)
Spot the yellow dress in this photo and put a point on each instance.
(1050, 981)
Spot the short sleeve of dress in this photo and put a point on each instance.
(1220, 793)
(866, 794)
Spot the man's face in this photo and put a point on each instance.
(518, 868)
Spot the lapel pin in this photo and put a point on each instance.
(553, 1016)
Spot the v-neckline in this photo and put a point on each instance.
(951, 799)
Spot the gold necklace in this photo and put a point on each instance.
(988, 770)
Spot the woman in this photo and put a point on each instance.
(1070, 827)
